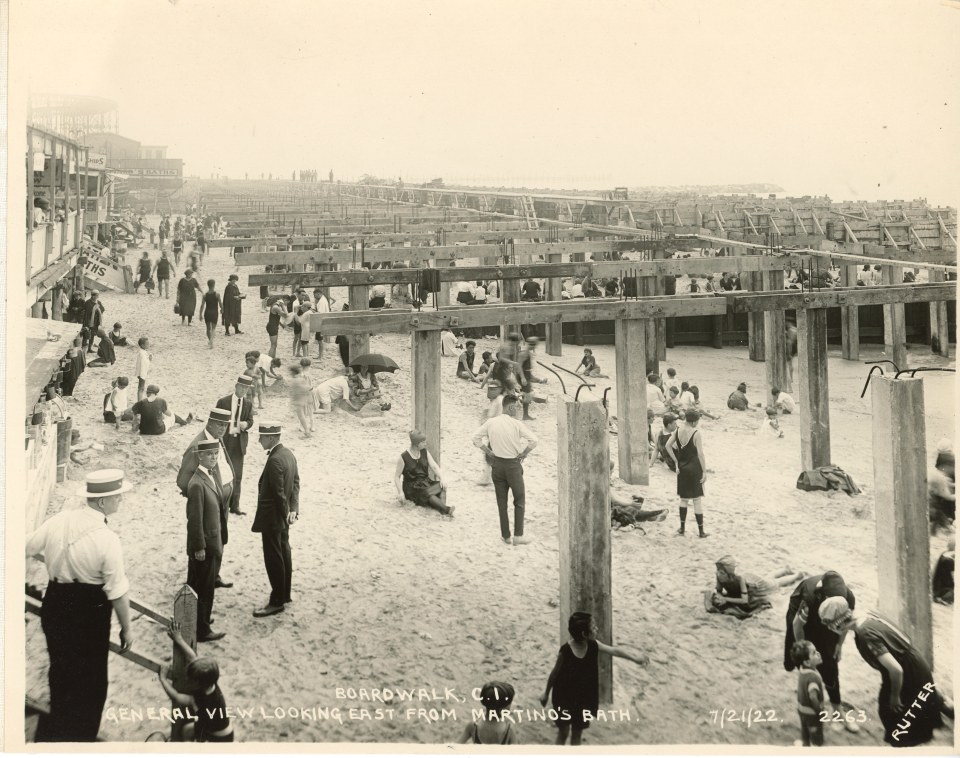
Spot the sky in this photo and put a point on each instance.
(853, 99)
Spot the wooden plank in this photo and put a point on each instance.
(814, 394)
(939, 325)
(894, 320)
(185, 613)
(425, 357)
(789, 299)
(849, 319)
(395, 320)
(583, 455)
(554, 330)
(648, 288)
(630, 338)
(752, 281)
(900, 497)
(774, 338)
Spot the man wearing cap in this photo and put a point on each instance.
(235, 441)
(804, 623)
(278, 506)
(85, 565)
(232, 305)
(205, 498)
(152, 415)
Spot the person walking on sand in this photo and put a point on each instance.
(163, 271)
(508, 443)
(187, 289)
(232, 305)
(686, 450)
(87, 580)
(210, 308)
(240, 406)
(575, 679)
(278, 508)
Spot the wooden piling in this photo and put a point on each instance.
(509, 293)
(894, 321)
(900, 495)
(185, 613)
(753, 281)
(632, 451)
(814, 395)
(583, 454)
(359, 299)
(648, 288)
(939, 326)
(849, 318)
(554, 339)
(425, 352)
(775, 351)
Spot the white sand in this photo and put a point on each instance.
(398, 596)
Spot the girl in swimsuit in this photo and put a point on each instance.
(493, 729)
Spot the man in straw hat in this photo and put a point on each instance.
(205, 503)
(85, 565)
(217, 424)
(240, 406)
(278, 506)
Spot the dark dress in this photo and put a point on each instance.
(211, 716)
(187, 290)
(914, 725)
(211, 307)
(232, 305)
(689, 470)
(417, 485)
(273, 322)
(576, 688)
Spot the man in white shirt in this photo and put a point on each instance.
(334, 388)
(508, 444)
(449, 347)
(655, 401)
(783, 402)
(322, 305)
(142, 368)
(87, 579)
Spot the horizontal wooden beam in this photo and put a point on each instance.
(395, 320)
(674, 267)
(420, 235)
(835, 298)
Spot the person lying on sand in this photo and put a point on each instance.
(743, 594)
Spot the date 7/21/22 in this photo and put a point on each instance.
(751, 716)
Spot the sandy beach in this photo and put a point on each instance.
(394, 596)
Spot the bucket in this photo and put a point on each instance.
(493, 389)
(64, 436)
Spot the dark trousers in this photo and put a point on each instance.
(201, 578)
(278, 561)
(508, 476)
(825, 642)
(76, 622)
(236, 458)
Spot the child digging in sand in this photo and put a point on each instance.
(494, 728)
(204, 698)
(575, 679)
(301, 399)
(810, 692)
(589, 365)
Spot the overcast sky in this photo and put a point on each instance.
(858, 100)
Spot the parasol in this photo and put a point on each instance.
(374, 362)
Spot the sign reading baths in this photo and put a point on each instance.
(153, 171)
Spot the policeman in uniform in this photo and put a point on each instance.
(85, 565)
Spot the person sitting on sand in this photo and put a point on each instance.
(152, 416)
(486, 365)
(943, 575)
(378, 298)
(115, 403)
(770, 427)
(106, 355)
(364, 386)
(744, 594)
(465, 363)
(686, 400)
(449, 344)
(418, 476)
(738, 398)
(698, 406)
(496, 727)
(782, 401)
(655, 399)
(589, 365)
(328, 392)
(672, 402)
(203, 698)
(116, 338)
(671, 380)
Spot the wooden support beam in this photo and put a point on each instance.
(648, 288)
(814, 394)
(849, 319)
(554, 331)
(900, 497)
(939, 325)
(56, 306)
(894, 321)
(775, 352)
(753, 282)
(851, 237)
(837, 297)
(396, 320)
(509, 293)
(583, 455)
(185, 613)
(359, 299)
(425, 357)
(632, 450)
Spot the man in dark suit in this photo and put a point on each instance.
(92, 319)
(217, 424)
(240, 406)
(204, 544)
(278, 506)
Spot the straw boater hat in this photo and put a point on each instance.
(208, 446)
(104, 483)
(269, 429)
(245, 380)
(219, 414)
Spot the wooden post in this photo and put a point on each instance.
(814, 393)
(716, 331)
(583, 454)
(849, 318)
(359, 299)
(894, 322)
(660, 325)
(425, 353)
(631, 353)
(900, 494)
(753, 281)
(939, 326)
(775, 339)
(554, 341)
(509, 293)
(184, 612)
(56, 307)
(648, 288)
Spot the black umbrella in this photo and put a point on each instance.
(374, 362)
